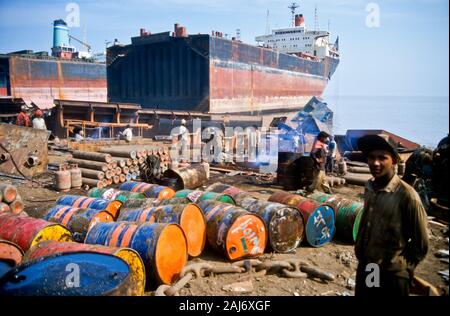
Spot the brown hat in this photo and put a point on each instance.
(368, 143)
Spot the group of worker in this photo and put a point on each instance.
(38, 122)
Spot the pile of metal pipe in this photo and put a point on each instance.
(118, 164)
(10, 200)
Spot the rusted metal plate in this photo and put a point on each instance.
(42, 80)
(23, 143)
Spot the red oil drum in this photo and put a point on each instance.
(10, 252)
(28, 231)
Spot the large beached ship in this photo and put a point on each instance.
(68, 74)
(214, 74)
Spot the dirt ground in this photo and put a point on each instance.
(335, 257)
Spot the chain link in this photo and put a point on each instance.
(289, 268)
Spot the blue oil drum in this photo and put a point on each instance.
(162, 247)
(68, 274)
(83, 202)
(319, 222)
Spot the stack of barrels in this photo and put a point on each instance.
(346, 213)
(10, 200)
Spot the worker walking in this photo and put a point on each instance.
(319, 154)
(23, 119)
(38, 121)
(392, 237)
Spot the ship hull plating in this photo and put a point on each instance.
(41, 81)
(212, 74)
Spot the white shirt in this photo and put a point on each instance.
(128, 134)
(78, 137)
(39, 123)
(183, 131)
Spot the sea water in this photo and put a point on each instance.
(423, 120)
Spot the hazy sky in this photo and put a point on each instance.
(405, 55)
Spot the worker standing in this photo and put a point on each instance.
(23, 119)
(38, 121)
(319, 154)
(183, 136)
(392, 237)
(331, 155)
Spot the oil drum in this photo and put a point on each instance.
(233, 231)
(130, 256)
(27, 231)
(285, 224)
(111, 207)
(68, 274)
(319, 222)
(188, 216)
(10, 252)
(77, 220)
(162, 247)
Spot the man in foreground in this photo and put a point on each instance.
(392, 237)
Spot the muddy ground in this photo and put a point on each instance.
(335, 257)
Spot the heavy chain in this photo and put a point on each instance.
(289, 268)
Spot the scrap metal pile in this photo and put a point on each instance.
(139, 237)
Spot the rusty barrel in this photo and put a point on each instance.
(28, 231)
(348, 218)
(286, 198)
(284, 224)
(190, 177)
(133, 204)
(188, 216)
(114, 194)
(130, 256)
(10, 252)
(348, 214)
(162, 247)
(111, 207)
(198, 196)
(77, 220)
(233, 231)
(148, 189)
(173, 201)
(319, 222)
(225, 189)
(69, 274)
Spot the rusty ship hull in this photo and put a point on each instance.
(212, 74)
(41, 80)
